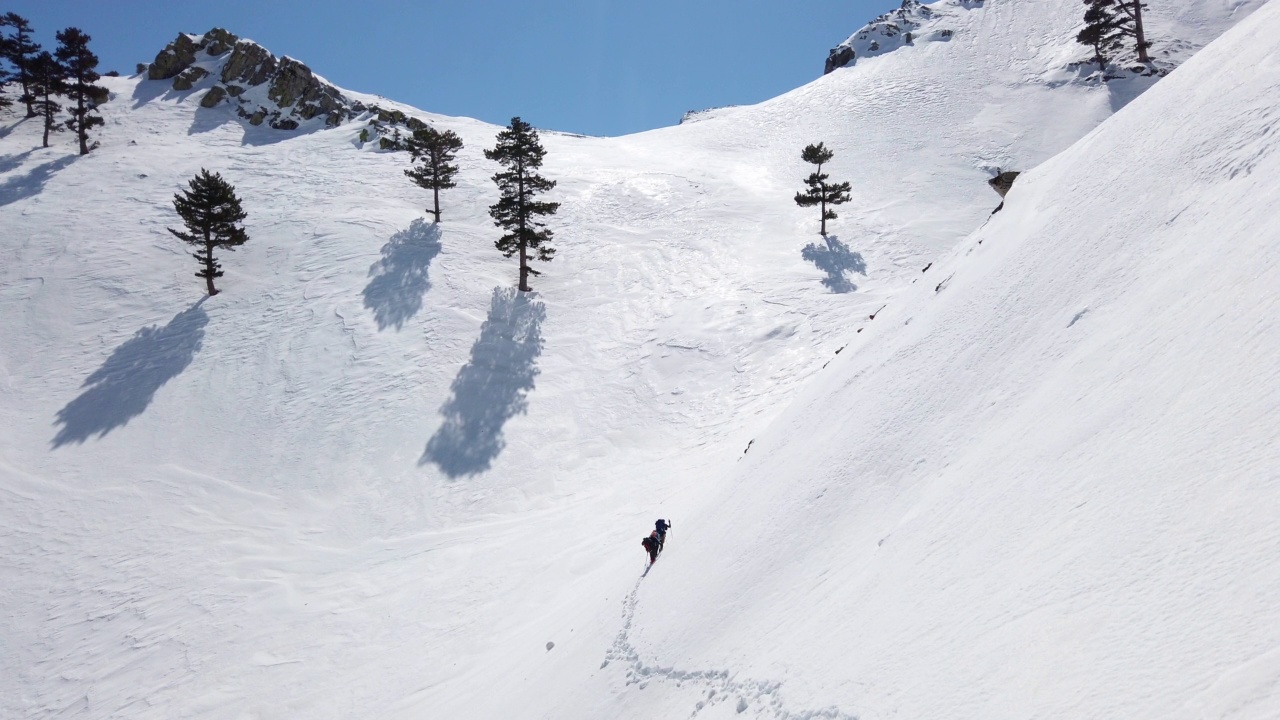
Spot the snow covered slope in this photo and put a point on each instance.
(367, 480)
(1049, 489)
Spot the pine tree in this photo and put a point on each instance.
(519, 151)
(212, 214)
(436, 150)
(19, 50)
(1108, 22)
(73, 52)
(48, 79)
(820, 192)
(1101, 29)
(1131, 25)
(5, 76)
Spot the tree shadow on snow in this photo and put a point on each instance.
(12, 162)
(399, 280)
(123, 387)
(491, 388)
(25, 186)
(835, 259)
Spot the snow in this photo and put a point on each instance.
(369, 480)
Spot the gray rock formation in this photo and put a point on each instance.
(838, 58)
(1003, 181)
(189, 77)
(174, 58)
(290, 93)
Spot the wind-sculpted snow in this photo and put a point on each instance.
(122, 388)
(399, 280)
(712, 688)
(492, 387)
(368, 479)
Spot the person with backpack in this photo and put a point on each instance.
(661, 527)
(652, 545)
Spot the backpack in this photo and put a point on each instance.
(650, 543)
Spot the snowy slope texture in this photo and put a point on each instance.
(368, 479)
(1048, 489)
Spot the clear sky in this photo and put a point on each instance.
(599, 67)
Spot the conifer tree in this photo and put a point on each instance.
(1101, 29)
(1131, 25)
(19, 50)
(48, 79)
(1108, 22)
(212, 214)
(5, 76)
(519, 151)
(820, 192)
(436, 150)
(73, 52)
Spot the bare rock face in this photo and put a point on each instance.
(174, 58)
(289, 95)
(1003, 181)
(189, 77)
(838, 58)
(215, 95)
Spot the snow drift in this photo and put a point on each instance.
(368, 480)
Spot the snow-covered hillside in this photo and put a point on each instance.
(369, 480)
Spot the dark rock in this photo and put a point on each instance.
(258, 116)
(235, 91)
(415, 124)
(188, 78)
(215, 95)
(334, 119)
(174, 58)
(218, 41)
(284, 124)
(1003, 181)
(249, 63)
(838, 58)
(291, 82)
(143, 67)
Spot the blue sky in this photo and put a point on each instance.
(595, 67)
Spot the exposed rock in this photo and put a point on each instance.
(143, 67)
(189, 77)
(219, 41)
(98, 95)
(215, 95)
(174, 58)
(891, 31)
(296, 94)
(838, 58)
(249, 63)
(1003, 181)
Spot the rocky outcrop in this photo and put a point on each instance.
(839, 57)
(283, 92)
(913, 22)
(1003, 181)
(189, 77)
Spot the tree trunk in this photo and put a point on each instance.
(524, 259)
(31, 111)
(208, 267)
(435, 192)
(83, 132)
(1139, 33)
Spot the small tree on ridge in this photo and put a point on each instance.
(519, 151)
(19, 50)
(212, 214)
(48, 79)
(820, 192)
(436, 150)
(73, 52)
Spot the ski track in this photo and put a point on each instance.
(721, 685)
